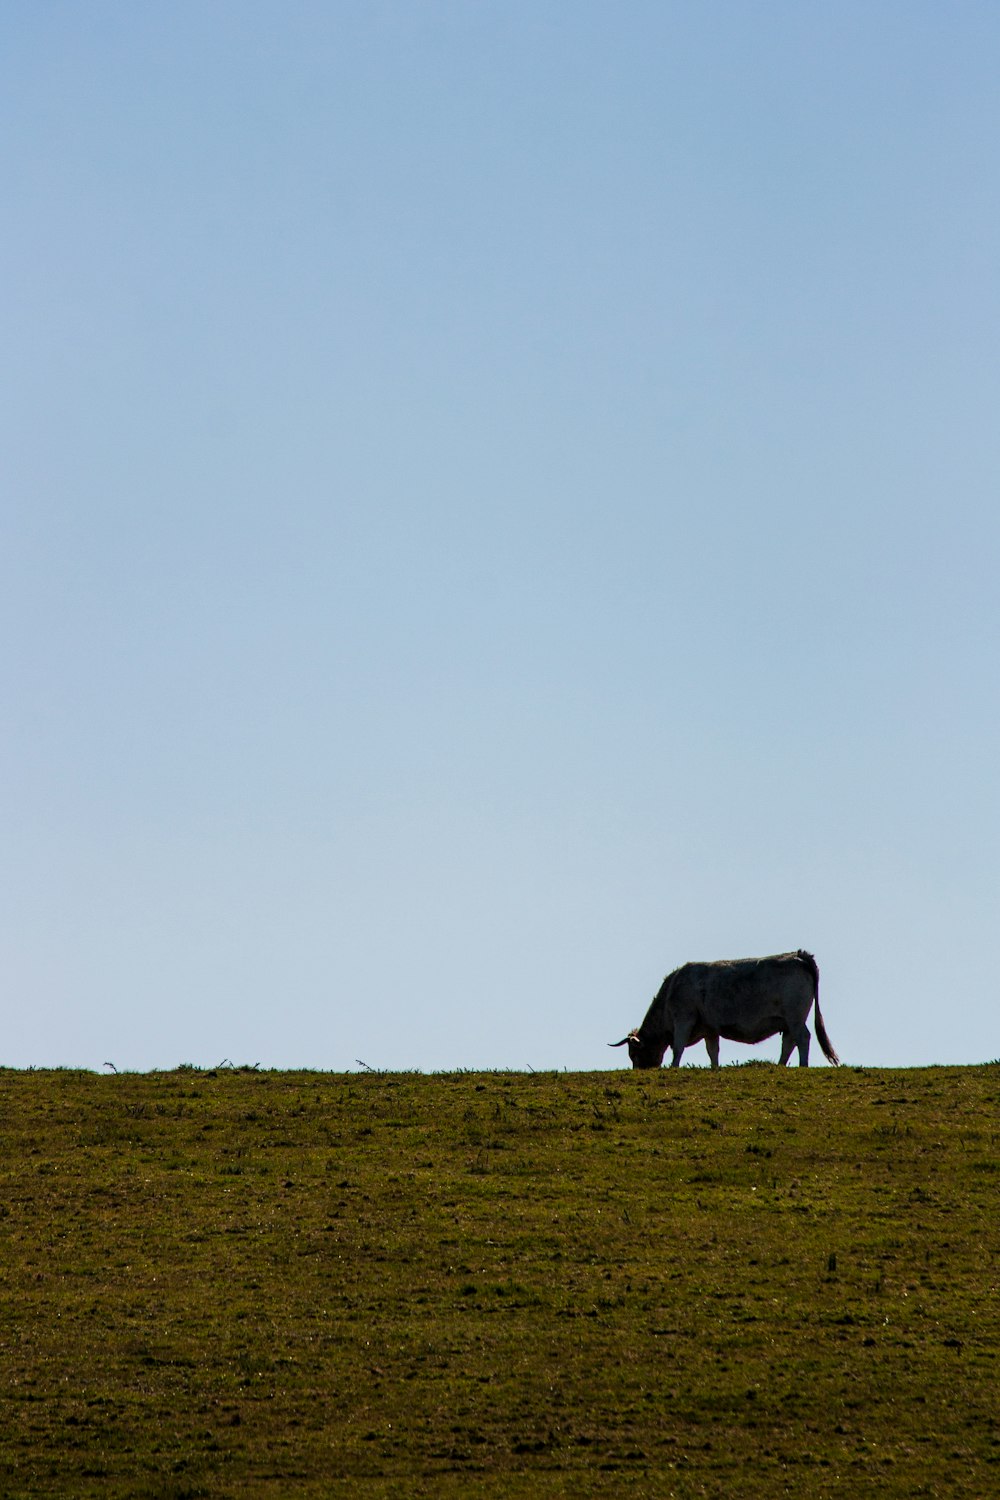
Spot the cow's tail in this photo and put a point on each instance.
(821, 1035)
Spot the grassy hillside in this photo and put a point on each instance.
(757, 1282)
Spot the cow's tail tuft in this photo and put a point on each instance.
(821, 1035)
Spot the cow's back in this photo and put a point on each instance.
(743, 991)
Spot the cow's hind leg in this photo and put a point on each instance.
(792, 1039)
(712, 1048)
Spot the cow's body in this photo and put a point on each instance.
(742, 999)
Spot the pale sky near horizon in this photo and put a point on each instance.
(498, 500)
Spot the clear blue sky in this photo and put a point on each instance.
(498, 500)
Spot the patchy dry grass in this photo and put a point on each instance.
(756, 1282)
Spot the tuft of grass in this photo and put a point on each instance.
(762, 1281)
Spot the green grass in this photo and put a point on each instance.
(757, 1282)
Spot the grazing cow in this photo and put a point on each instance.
(742, 999)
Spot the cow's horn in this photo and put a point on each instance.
(622, 1042)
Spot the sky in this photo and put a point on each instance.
(497, 500)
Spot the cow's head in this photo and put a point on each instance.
(642, 1052)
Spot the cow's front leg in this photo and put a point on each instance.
(682, 1035)
(712, 1047)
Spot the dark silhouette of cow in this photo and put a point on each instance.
(741, 999)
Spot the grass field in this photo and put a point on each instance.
(756, 1282)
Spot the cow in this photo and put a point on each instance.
(742, 999)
